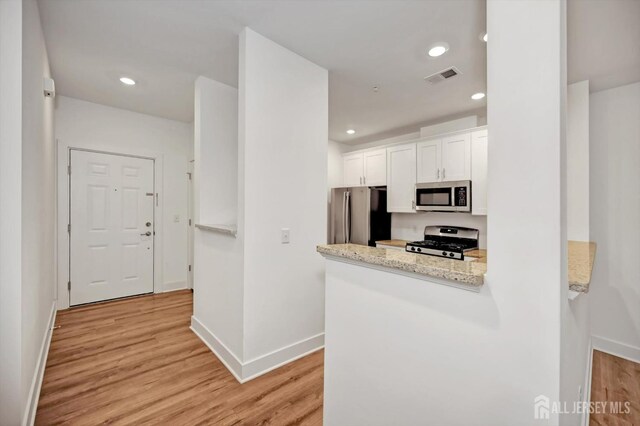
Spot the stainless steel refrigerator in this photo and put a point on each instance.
(359, 216)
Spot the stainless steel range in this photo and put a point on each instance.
(446, 241)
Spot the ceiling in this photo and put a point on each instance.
(603, 42)
(165, 44)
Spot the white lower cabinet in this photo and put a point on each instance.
(401, 178)
(479, 169)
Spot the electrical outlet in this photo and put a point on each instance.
(284, 236)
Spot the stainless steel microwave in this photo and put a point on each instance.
(444, 196)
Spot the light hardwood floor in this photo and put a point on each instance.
(614, 379)
(135, 361)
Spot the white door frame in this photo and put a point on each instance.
(190, 225)
(63, 200)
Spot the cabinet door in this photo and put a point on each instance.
(375, 168)
(353, 169)
(479, 156)
(401, 178)
(429, 157)
(456, 157)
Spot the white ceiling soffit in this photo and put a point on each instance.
(603, 42)
(164, 45)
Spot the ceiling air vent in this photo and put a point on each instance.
(442, 75)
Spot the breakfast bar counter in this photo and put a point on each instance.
(470, 274)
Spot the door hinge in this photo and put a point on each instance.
(189, 268)
(69, 169)
(189, 222)
(189, 174)
(69, 285)
(69, 228)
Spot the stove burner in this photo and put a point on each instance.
(449, 242)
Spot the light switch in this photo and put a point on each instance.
(284, 235)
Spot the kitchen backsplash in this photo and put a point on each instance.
(410, 226)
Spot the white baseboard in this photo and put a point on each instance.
(224, 354)
(29, 417)
(174, 286)
(265, 363)
(613, 347)
(587, 382)
(249, 370)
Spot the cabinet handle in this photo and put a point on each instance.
(413, 205)
(364, 180)
(360, 180)
(443, 173)
(438, 176)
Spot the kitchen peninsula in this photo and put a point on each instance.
(414, 318)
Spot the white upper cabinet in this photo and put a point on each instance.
(375, 168)
(365, 168)
(401, 178)
(479, 156)
(456, 157)
(445, 159)
(353, 169)
(429, 156)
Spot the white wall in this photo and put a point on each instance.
(527, 273)
(615, 214)
(260, 303)
(216, 146)
(284, 114)
(11, 402)
(218, 258)
(578, 161)
(82, 124)
(27, 200)
(38, 196)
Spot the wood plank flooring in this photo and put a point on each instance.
(136, 361)
(614, 379)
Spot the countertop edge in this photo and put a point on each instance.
(442, 275)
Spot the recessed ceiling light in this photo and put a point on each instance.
(351, 132)
(128, 81)
(484, 37)
(438, 49)
(477, 96)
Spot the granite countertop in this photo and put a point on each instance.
(468, 273)
(580, 264)
(581, 256)
(393, 243)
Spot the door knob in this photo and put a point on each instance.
(148, 233)
(148, 224)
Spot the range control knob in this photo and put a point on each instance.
(450, 254)
(419, 249)
(444, 253)
(413, 249)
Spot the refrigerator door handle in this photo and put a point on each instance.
(344, 216)
(347, 219)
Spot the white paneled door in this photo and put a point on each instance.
(111, 232)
